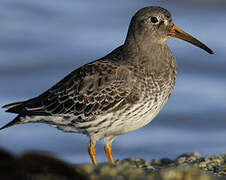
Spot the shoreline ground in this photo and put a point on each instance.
(187, 166)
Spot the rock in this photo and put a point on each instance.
(122, 172)
(188, 158)
(38, 166)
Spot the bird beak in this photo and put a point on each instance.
(178, 33)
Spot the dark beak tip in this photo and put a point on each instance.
(210, 51)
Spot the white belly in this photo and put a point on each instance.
(135, 117)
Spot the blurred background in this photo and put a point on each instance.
(42, 41)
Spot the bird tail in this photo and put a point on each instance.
(11, 105)
(17, 120)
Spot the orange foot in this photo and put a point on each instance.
(108, 153)
(92, 153)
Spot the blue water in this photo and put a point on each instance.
(42, 41)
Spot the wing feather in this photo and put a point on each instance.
(93, 89)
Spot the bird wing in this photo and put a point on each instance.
(94, 88)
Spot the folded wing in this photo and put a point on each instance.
(93, 89)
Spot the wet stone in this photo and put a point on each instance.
(166, 161)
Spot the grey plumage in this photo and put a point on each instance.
(118, 93)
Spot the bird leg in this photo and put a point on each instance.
(108, 152)
(92, 152)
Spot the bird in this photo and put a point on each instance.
(118, 93)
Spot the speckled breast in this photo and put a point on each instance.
(154, 90)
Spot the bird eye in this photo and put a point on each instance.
(154, 20)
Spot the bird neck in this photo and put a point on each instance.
(145, 51)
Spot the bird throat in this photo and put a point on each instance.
(152, 56)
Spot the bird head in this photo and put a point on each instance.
(154, 25)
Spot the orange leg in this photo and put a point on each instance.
(92, 153)
(108, 153)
